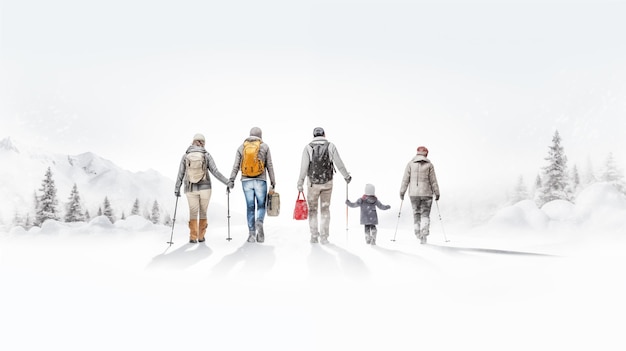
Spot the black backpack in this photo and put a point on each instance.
(321, 168)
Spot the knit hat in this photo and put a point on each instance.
(256, 131)
(370, 189)
(199, 137)
(318, 131)
(422, 150)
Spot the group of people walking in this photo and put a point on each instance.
(319, 163)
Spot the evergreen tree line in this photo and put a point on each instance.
(558, 182)
(46, 206)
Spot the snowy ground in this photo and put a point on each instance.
(99, 286)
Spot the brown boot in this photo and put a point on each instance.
(202, 229)
(193, 231)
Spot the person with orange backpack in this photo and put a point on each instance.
(194, 169)
(254, 160)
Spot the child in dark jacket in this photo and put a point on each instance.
(369, 218)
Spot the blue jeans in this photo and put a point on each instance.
(255, 191)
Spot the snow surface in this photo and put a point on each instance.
(530, 279)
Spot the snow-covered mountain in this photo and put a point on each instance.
(23, 171)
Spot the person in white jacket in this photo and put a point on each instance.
(421, 182)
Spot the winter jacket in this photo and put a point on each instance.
(206, 182)
(307, 156)
(419, 178)
(368, 204)
(264, 155)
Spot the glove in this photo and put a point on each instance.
(437, 197)
(273, 185)
(348, 179)
(177, 193)
(230, 184)
(347, 202)
(300, 188)
(402, 197)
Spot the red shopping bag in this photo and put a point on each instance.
(302, 209)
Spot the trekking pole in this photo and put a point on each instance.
(228, 211)
(173, 221)
(398, 222)
(440, 220)
(346, 213)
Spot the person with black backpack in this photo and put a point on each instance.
(254, 160)
(194, 169)
(320, 159)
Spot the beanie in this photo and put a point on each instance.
(318, 131)
(369, 189)
(422, 150)
(198, 137)
(256, 131)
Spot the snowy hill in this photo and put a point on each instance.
(23, 171)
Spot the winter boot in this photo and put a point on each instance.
(373, 237)
(193, 231)
(252, 236)
(260, 235)
(416, 228)
(324, 240)
(202, 229)
(314, 239)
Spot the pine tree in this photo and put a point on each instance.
(47, 202)
(108, 211)
(155, 217)
(167, 220)
(520, 192)
(74, 211)
(87, 215)
(575, 177)
(18, 221)
(589, 175)
(135, 210)
(612, 174)
(555, 180)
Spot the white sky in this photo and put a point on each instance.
(481, 83)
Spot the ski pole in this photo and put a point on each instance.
(398, 222)
(173, 221)
(441, 221)
(228, 211)
(346, 212)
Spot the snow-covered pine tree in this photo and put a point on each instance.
(520, 192)
(135, 210)
(87, 215)
(155, 216)
(589, 176)
(167, 220)
(47, 202)
(612, 174)
(18, 220)
(108, 210)
(74, 212)
(555, 184)
(575, 181)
